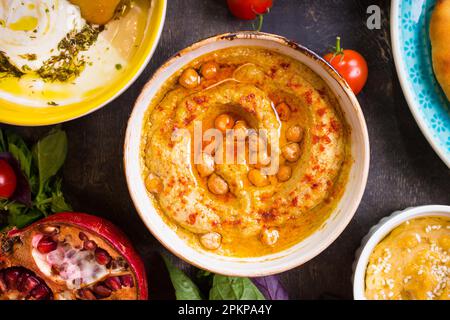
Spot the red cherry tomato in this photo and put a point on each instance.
(249, 9)
(351, 66)
(8, 180)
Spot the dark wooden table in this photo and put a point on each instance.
(404, 169)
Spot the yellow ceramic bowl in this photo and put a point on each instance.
(13, 113)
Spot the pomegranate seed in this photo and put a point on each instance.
(3, 286)
(113, 283)
(11, 278)
(27, 283)
(86, 294)
(22, 276)
(83, 236)
(102, 291)
(89, 245)
(102, 257)
(127, 281)
(46, 245)
(41, 292)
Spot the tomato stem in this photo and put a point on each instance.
(260, 17)
(338, 50)
(338, 44)
(260, 22)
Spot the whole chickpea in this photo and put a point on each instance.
(153, 184)
(294, 134)
(224, 122)
(209, 69)
(217, 185)
(257, 178)
(269, 236)
(258, 154)
(263, 159)
(240, 129)
(284, 173)
(206, 167)
(284, 112)
(211, 240)
(291, 152)
(189, 79)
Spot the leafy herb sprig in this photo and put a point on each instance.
(224, 288)
(39, 193)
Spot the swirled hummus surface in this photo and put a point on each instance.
(412, 262)
(237, 209)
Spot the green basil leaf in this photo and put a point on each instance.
(49, 154)
(19, 149)
(14, 138)
(20, 216)
(204, 278)
(203, 274)
(58, 203)
(42, 202)
(185, 289)
(234, 288)
(24, 159)
(34, 182)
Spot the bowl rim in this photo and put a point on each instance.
(400, 66)
(242, 35)
(40, 116)
(379, 231)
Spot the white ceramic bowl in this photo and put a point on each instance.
(379, 232)
(303, 251)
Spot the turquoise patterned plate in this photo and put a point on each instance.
(410, 20)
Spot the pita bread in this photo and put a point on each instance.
(440, 42)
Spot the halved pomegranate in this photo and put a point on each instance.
(70, 256)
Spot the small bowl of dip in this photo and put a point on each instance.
(62, 59)
(405, 257)
(236, 216)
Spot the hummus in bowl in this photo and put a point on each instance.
(200, 178)
(406, 257)
(61, 59)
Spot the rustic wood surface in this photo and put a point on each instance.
(404, 169)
